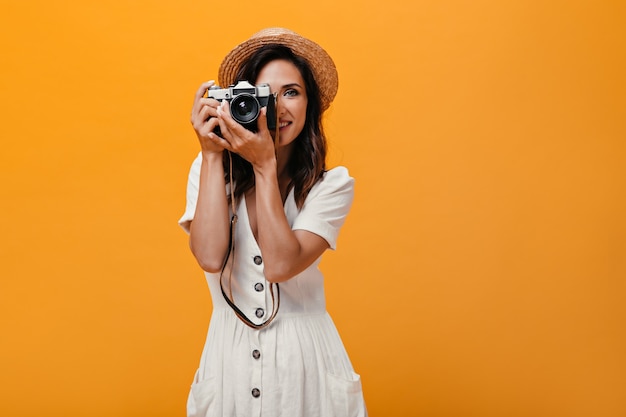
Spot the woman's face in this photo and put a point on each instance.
(285, 80)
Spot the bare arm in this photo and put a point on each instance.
(285, 252)
(209, 230)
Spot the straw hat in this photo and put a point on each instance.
(321, 63)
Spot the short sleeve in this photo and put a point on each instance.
(192, 193)
(327, 205)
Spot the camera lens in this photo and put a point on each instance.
(244, 108)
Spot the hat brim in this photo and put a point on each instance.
(320, 62)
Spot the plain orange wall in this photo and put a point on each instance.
(481, 272)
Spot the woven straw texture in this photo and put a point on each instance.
(321, 63)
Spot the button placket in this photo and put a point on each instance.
(255, 362)
(259, 288)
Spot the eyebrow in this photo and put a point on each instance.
(292, 85)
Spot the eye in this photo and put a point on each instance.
(290, 93)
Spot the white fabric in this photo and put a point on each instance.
(303, 369)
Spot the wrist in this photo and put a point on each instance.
(265, 169)
(212, 156)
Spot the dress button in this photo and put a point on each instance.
(260, 312)
(256, 393)
(258, 287)
(258, 260)
(256, 354)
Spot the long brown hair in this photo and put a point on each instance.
(307, 162)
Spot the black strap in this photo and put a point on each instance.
(231, 303)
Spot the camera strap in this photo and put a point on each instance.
(230, 300)
(231, 255)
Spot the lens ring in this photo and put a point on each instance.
(244, 108)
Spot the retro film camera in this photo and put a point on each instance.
(246, 101)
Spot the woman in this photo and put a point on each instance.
(261, 210)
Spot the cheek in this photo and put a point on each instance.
(302, 115)
(302, 110)
(297, 110)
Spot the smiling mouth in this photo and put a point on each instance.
(283, 124)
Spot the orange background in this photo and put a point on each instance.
(481, 272)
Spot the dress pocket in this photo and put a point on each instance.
(201, 401)
(344, 396)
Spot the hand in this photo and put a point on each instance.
(204, 120)
(256, 148)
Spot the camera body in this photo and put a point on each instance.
(246, 101)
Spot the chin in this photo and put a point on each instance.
(285, 142)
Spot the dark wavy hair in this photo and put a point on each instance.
(307, 162)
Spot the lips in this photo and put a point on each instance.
(283, 124)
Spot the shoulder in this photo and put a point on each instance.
(337, 177)
(338, 174)
(327, 205)
(336, 181)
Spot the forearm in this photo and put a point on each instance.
(285, 253)
(209, 231)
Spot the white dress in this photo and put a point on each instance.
(298, 366)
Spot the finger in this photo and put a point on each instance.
(200, 94)
(208, 110)
(211, 102)
(262, 122)
(225, 119)
(203, 110)
(219, 141)
(202, 116)
(223, 110)
(229, 123)
(210, 125)
(202, 90)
